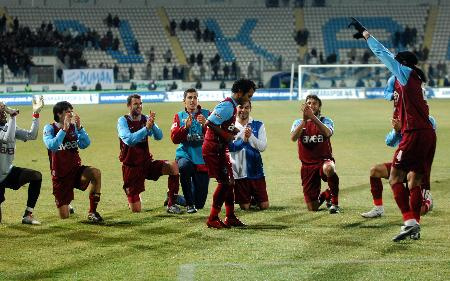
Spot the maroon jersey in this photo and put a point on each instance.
(66, 159)
(138, 154)
(411, 104)
(313, 146)
(227, 125)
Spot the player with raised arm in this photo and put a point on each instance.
(415, 152)
(11, 176)
(188, 130)
(63, 138)
(219, 134)
(312, 134)
(250, 182)
(138, 164)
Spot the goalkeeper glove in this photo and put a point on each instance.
(38, 104)
(359, 27)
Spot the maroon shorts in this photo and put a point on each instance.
(416, 151)
(134, 177)
(311, 176)
(425, 180)
(217, 159)
(245, 189)
(63, 186)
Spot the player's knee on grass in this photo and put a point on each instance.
(64, 211)
(264, 205)
(134, 202)
(245, 206)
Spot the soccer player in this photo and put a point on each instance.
(250, 182)
(313, 134)
(219, 134)
(415, 152)
(379, 171)
(15, 177)
(63, 138)
(138, 164)
(188, 130)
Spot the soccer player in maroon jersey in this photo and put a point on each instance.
(415, 152)
(138, 164)
(219, 134)
(62, 139)
(312, 134)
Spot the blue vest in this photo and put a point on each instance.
(191, 149)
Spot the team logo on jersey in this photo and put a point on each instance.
(396, 95)
(312, 139)
(174, 125)
(68, 145)
(217, 115)
(194, 137)
(6, 150)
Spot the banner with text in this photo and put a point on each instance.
(88, 78)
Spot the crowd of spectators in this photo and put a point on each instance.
(192, 25)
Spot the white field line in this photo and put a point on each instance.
(186, 272)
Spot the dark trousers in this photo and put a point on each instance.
(194, 183)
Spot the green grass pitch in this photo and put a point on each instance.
(283, 243)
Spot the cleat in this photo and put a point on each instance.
(71, 210)
(412, 232)
(233, 221)
(191, 209)
(334, 209)
(95, 217)
(377, 211)
(30, 220)
(216, 223)
(328, 204)
(174, 209)
(179, 200)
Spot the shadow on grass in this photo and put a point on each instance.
(260, 226)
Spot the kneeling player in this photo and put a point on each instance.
(138, 164)
(312, 134)
(62, 139)
(15, 177)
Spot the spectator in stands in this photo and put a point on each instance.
(333, 83)
(151, 54)
(260, 84)
(168, 56)
(116, 72)
(175, 72)
(3, 24)
(250, 70)
(342, 84)
(360, 83)
(183, 25)
(425, 53)
(215, 75)
(198, 85)
(74, 87)
(446, 81)
(202, 72)
(136, 47)
(206, 35)
(200, 58)
(59, 75)
(378, 83)
(28, 88)
(226, 72)
(313, 57)
(131, 72)
(196, 24)
(222, 85)
(109, 20)
(441, 68)
(174, 86)
(192, 59)
(115, 45)
(15, 25)
(173, 26)
(116, 21)
(98, 86)
(365, 57)
(397, 38)
(198, 35)
(302, 37)
(152, 85)
(190, 25)
(133, 86)
(234, 70)
(165, 73)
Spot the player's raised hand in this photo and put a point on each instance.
(77, 121)
(358, 27)
(38, 104)
(150, 120)
(188, 122)
(67, 121)
(201, 119)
